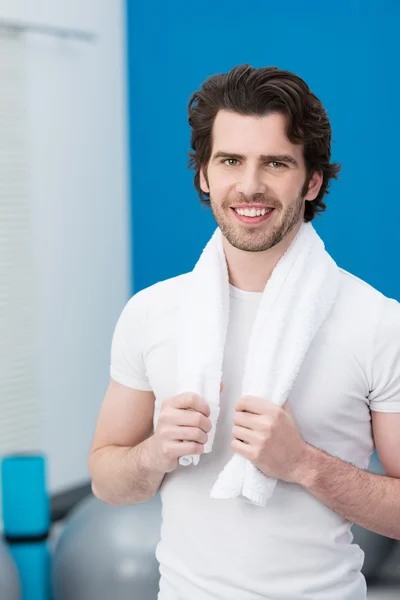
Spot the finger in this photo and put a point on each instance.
(178, 449)
(189, 400)
(191, 418)
(241, 448)
(249, 420)
(255, 405)
(245, 435)
(221, 386)
(188, 434)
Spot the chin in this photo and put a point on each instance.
(250, 241)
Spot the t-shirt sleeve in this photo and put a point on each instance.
(127, 364)
(385, 393)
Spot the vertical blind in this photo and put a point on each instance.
(19, 427)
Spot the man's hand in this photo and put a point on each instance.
(182, 428)
(267, 435)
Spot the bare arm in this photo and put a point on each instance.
(120, 461)
(128, 461)
(372, 501)
(268, 436)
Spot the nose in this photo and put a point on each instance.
(250, 182)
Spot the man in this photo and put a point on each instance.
(261, 156)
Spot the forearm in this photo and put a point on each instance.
(124, 475)
(369, 500)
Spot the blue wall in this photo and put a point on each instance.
(347, 52)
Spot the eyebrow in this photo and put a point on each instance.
(285, 158)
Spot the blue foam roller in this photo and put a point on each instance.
(34, 566)
(26, 516)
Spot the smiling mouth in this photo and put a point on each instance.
(253, 211)
(253, 215)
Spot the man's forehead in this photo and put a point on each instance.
(259, 129)
(253, 136)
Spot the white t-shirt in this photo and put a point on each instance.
(296, 548)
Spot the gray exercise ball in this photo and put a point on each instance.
(10, 586)
(377, 548)
(108, 552)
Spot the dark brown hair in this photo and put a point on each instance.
(259, 92)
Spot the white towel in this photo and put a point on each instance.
(296, 301)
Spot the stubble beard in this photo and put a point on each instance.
(262, 237)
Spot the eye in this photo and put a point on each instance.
(235, 160)
(277, 164)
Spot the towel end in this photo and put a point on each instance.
(185, 461)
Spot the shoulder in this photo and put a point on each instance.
(158, 298)
(356, 293)
(362, 304)
(147, 313)
(356, 288)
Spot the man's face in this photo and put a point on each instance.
(253, 166)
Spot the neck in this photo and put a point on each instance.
(250, 271)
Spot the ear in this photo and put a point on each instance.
(314, 185)
(203, 182)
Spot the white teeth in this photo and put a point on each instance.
(253, 212)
